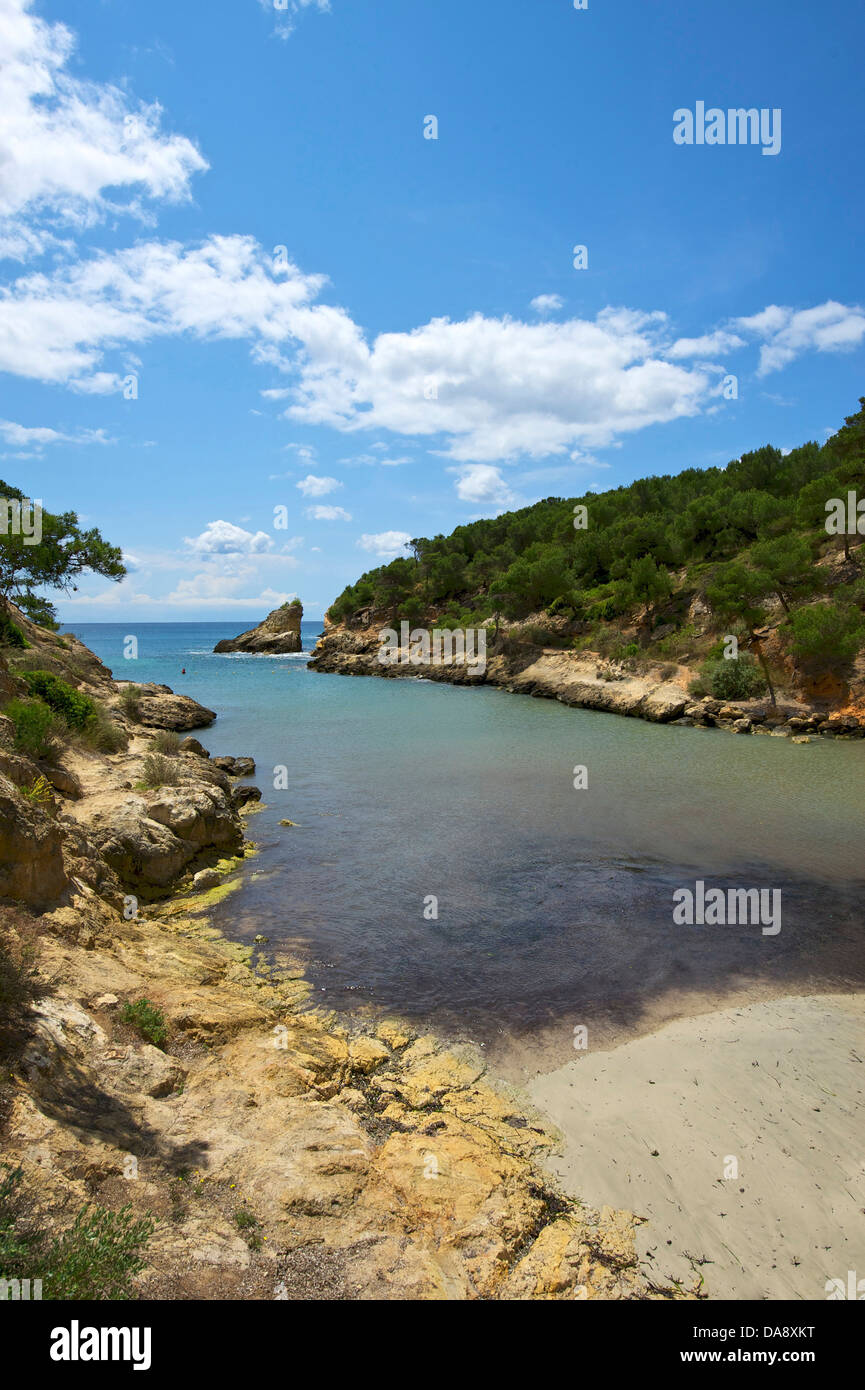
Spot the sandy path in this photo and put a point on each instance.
(779, 1086)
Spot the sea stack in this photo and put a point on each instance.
(280, 632)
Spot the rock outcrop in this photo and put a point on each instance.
(372, 1165)
(160, 708)
(280, 632)
(589, 681)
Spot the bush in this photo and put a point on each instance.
(827, 637)
(166, 741)
(159, 771)
(10, 633)
(102, 734)
(63, 698)
(20, 984)
(41, 793)
(34, 727)
(95, 1259)
(130, 702)
(147, 1020)
(739, 679)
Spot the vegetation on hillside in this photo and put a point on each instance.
(746, 540)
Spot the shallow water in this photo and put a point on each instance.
(554, 904)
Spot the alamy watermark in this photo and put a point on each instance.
(715, 907)
(739, 126)
(439, 647)
(20, 1290)
(845, 518)
(21, 517)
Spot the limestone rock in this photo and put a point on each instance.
(206, 878)
(235, 767)
(279, 632)
(192, 745)
(160, 708)
(31, 852)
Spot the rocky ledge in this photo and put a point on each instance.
(160, 708)
(280, 632)
(588, 681)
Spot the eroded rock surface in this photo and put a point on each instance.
(279, 632)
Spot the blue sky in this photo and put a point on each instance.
(422, 350)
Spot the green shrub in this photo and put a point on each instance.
(98, 1256)
(827, 637)
(63, 698)
(20, 982)
(34, 727)
(41, 793)
(166, 741)
(159, 771)
(95, 1259)
(102, 734)
(739, 679)
(147, 1020)
(130, 702)
(10, 633)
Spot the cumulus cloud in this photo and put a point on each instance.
(65, 142)
(787, 333)
(324, 513)
(547, 303)
(224, 538)
(311, 486)
(484, 485)
(56, 328)
(486, 390)
(385, 544)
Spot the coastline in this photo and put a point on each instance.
(283, 1153)
(586, 680)
(287, 1152)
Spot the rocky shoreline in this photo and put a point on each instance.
(282, 1153)
(586, 680)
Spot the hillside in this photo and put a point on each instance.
(654, 578)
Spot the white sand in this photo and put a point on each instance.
(779, 1086)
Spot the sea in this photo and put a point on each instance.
(449, 864)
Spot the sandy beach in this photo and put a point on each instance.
(737, 1134)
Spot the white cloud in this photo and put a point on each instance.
(709, 345)
(499, 388)
(64, 142)
(224, 538)
(320, 513)
(491, 390)
(484, 485)
(40, 435)
(56, 328)
(311, 486)
(547, 303)
(385, 544)
(787, 333)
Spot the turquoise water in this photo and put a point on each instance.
(554, 905)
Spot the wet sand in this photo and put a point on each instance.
(777, 1086)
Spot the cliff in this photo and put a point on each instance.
(279, 632)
